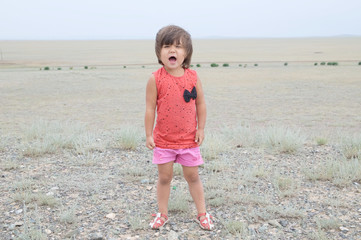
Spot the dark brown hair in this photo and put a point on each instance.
(174, 34)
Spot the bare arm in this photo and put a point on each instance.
(151, 102)
(201, 112)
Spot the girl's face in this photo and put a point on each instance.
(172, 56)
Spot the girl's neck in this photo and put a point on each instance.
(178, 72)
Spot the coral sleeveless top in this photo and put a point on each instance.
(176, 124)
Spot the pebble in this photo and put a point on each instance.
(274, 223)
(144, 181)
(172, 235)
(343, 229)
(283, 223)
(263, 228)
(110, 216)
(18, 224)
(96, 236)
(18, 211)
(47, 231)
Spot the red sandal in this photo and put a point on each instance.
(158, 221)
(207, 222)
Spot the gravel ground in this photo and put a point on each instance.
(253, 193)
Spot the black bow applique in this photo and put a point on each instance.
(188, 95)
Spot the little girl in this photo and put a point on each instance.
(175, 91)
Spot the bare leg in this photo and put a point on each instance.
(165, 175)
(195, 187)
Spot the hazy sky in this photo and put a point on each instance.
(141, 19)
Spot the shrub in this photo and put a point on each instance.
(70, 68)
(59, 68)
(239, 65)
(315, 64)
(46, 68)
(286, 64)
(323, 63)
(198, 65)
(85, 67)
(332, 63)
(359, 63)
(225, 65)
(214, 65)
(256, 64)
(124, 66)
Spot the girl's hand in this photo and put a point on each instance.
(150, 143)
(199, 136)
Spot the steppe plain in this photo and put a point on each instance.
(282, 150)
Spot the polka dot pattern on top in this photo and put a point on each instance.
(176, 124)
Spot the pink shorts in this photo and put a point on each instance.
(189, 157)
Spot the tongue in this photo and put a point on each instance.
(172, 59)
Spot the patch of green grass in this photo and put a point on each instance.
(322, 63)
(46, 68)
(127, 138)
(341, 172)
(283, 139)
(68, 216)
(177, 170)
(136, 222)
(239, 65)
(235, 227)
(318, 235)
(9, 165)
(49, 137)
(321, 141)
(214, 65)
(213, 145)
(327, 224)
(59, 68)
(178, 201)
(225, 65)
(285, 186)
(351, 146)
(332, 63)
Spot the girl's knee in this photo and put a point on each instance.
(165, 179)
(192, 177)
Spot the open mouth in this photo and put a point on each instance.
(172, 59)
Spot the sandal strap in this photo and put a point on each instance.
(158, 221)
(161, 215)
(207, 222)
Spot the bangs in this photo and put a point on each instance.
(170, 39)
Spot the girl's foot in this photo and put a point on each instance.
(205, 221)
(159, 220)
